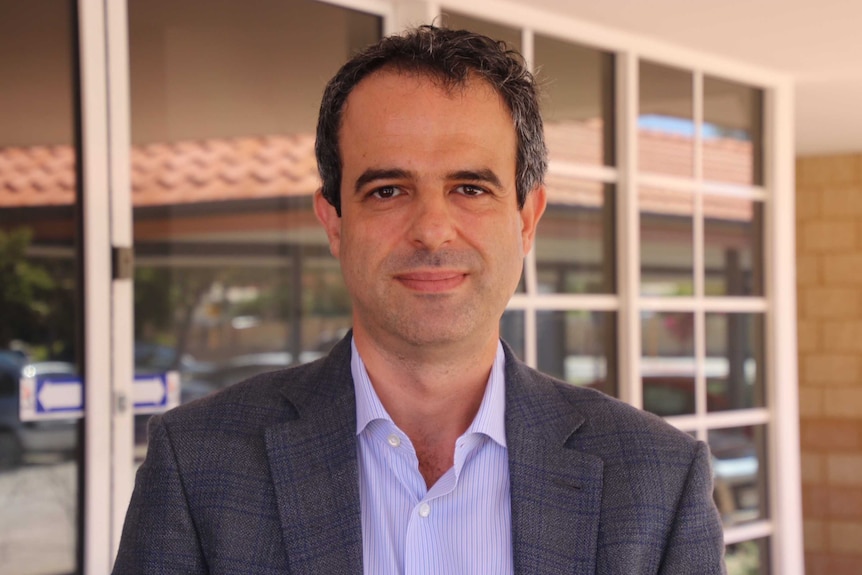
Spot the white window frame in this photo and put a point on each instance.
(107, 221)
(108, 302)
(778, 304)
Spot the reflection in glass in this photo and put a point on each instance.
(665, 120)
(739, 469)
(666, 242)
(734, 361)
(38, 285)
(234, 69)
(667, 363)
(233, 273)
(226, 318)
(456, 21)
(733, 245)
(512, 331)
(578, 103)
(732, 132)
(579, 347)
(575, 239)
(748, 557)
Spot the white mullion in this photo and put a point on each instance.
(738, 418)
(678, 304)
(747, 532)
(735, 304)
(565, 302)
(678, 184)
(719, 419)
(734, 190)
(628, 229)
(122, 298)
(583, 171)
(698, 252)
(97, 289)
(712, 304)
(670, 183)
(782, 376)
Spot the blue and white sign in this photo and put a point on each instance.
(156, 393)
(51, 398)
(62, 397)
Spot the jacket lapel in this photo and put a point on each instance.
(312, 459)
(556, 491)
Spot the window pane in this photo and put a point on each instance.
(579, 347)
(578, 103)
(234, 69)
(511, 36)
(739, 469)
(666, 121)
(234, 275)
(666, 242)
(38, 286)
(732, 132)
(735, 363)
(576, 238)
(733, 244)
(667, 363)
(512, 331)
(748, 557)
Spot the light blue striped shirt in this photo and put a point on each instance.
(462, 525)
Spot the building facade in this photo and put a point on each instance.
(182, 132)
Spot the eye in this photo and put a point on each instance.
(470, 190)
(386, 192)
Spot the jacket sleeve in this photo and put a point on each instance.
(696, 541)
(159, 535)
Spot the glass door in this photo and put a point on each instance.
(40, 384)
(232, 272)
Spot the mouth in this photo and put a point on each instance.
(432, 281)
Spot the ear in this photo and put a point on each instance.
(531, 213)
(331, 221)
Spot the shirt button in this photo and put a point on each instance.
(424, 510)
(394, 440)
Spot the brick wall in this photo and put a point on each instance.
(829, 279)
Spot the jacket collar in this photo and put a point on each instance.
(555, 489)
(312, 459)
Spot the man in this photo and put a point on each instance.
(421, 444)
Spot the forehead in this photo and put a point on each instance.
(382, 91)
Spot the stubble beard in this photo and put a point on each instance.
(429, 319)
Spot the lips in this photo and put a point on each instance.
(432, 281)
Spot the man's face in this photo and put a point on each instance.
(431, 241)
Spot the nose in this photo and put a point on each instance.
(432, 225)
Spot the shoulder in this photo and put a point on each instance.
(603, 425)
(268, 398)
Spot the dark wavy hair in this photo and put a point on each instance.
(452, 57)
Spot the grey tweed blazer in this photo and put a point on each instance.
(262, 478)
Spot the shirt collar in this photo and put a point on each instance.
(490, 420)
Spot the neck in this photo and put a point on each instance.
(432, 394)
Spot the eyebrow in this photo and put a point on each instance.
(484, 175)
(372, 175)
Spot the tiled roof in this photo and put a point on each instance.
(169, 174)
(725, 160)
(37, 176)
(215, 170)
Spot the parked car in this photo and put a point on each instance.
(21, 439)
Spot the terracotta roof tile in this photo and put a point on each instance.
(273, 166)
